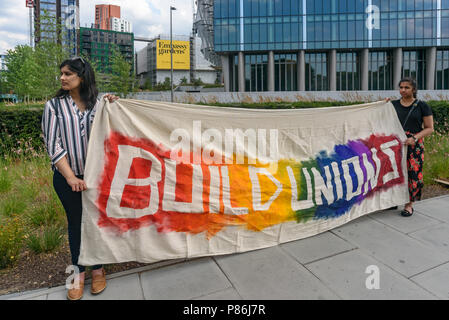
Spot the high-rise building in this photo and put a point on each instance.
(314, 45)
(97, 44)
(66, 13)
(121, 25)
(103, 15)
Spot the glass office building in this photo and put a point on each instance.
(64, 11)
(313, 45)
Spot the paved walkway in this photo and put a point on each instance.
(411, 256)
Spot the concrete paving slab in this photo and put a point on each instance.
(227, 294)
(184, 281)
(317, 247)
(435, 208)
(394, 219)
(436, 237)
(25, 295)
(435, 280)
(59, 295)
(346, 274)
(400, 252)
(271, 274)
(121, 288)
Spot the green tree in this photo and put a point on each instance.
(3, 83)
(49, 53)
(22, 75)
(147, 85)
(33, 73)
(122, 79)
(48, 57)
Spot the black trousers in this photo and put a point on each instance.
(72, 203)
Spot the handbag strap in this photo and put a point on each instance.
(410, 112)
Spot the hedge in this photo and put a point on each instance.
(21, 125)
(21, 134)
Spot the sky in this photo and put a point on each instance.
(149, 18)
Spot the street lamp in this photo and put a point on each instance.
(171, 51)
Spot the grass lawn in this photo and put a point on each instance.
(30, 212)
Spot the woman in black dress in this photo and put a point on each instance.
(417, 121)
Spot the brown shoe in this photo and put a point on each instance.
(98, 283)
(76, 293)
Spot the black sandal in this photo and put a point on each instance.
(406, 213)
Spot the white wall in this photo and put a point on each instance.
(142, 63)
(206, 76)
(203, 68)
(177, 75)
(200, 61)
(121, 25)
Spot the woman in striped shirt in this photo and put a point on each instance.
(66, 125)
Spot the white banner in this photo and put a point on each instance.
(172, 181)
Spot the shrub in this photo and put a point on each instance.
(20, 131)
(47, 240)
(440, 111)
(45, 214)
(12, 206)
(11, 240)
(436, 157)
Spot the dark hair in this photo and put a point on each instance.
(88, 89)
(412, 82)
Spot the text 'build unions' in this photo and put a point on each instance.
(170, 181)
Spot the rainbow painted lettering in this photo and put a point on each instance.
(142, 185)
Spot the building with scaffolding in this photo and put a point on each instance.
(189, 64)
(98, 45)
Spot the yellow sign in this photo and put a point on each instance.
(181, 55)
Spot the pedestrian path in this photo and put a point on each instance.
(409, 255)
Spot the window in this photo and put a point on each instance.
(285, 74)
(316, 72)
(442, 70)
(234, 72)
(380, 71)
(413, 65)
(330, 24)
(347, 71)
(256, 72)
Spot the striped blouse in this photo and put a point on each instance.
(66, 131)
